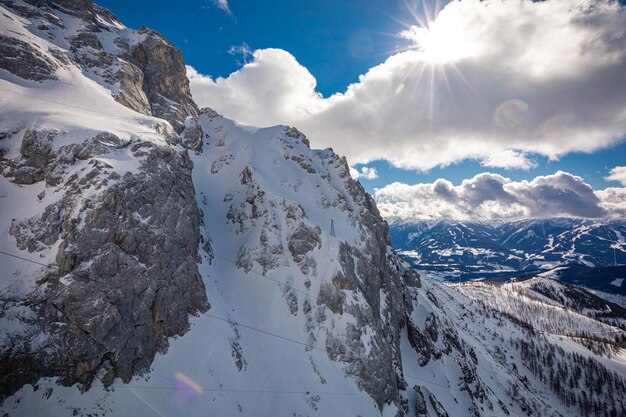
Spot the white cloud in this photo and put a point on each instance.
(492, 80)
(271, 89)
(369, 173)
(366, 173)
(490, 196)
(220, 4)
(243, 50)
(223, 5)
(614, 200)
(617, 174)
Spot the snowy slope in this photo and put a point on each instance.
(248, 354)
(254, 188)
(491, 345)
(553, 307)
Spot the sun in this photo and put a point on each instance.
(440, 42)
(441, 39)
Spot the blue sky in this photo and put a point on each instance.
(571, 123)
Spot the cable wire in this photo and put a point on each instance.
(237, 390)
(313, 346)
(29, 260)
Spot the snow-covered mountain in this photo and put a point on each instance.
(96, 185)
(162, 260)
(461, 248)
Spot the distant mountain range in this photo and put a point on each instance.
(465, 249)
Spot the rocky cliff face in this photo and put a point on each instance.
(115, 216)
(278, 214)
(143, 71)
(164, 81)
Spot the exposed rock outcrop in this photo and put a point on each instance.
(125, 278)
(126, 237)
(144, 71)
(165, 81)
(25, 61)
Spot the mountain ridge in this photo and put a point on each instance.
(525, 245)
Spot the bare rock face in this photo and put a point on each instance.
(40, 160)
(192, 135)
(303, 240)
(422, 343)
(372, 272)
(126, 276)
(421, 409)
(165, 81)
(439, 410)
(131, 93)
(145, 72)
(331, 297)
(143, 294)
(25, 61)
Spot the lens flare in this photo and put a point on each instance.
(185, 383)
(555, 126)
(511, 113)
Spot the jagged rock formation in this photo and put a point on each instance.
(146, 72)
(278, 231)
(122, 241)
(164, 81)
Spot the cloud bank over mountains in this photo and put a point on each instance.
(493, 81)
(490, 196)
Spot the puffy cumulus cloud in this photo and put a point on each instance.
(367, 173)
(273, 88)
(614, 200)
(495, 81)
(493, 197)
(617, 174)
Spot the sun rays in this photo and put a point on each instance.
(438, 46)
